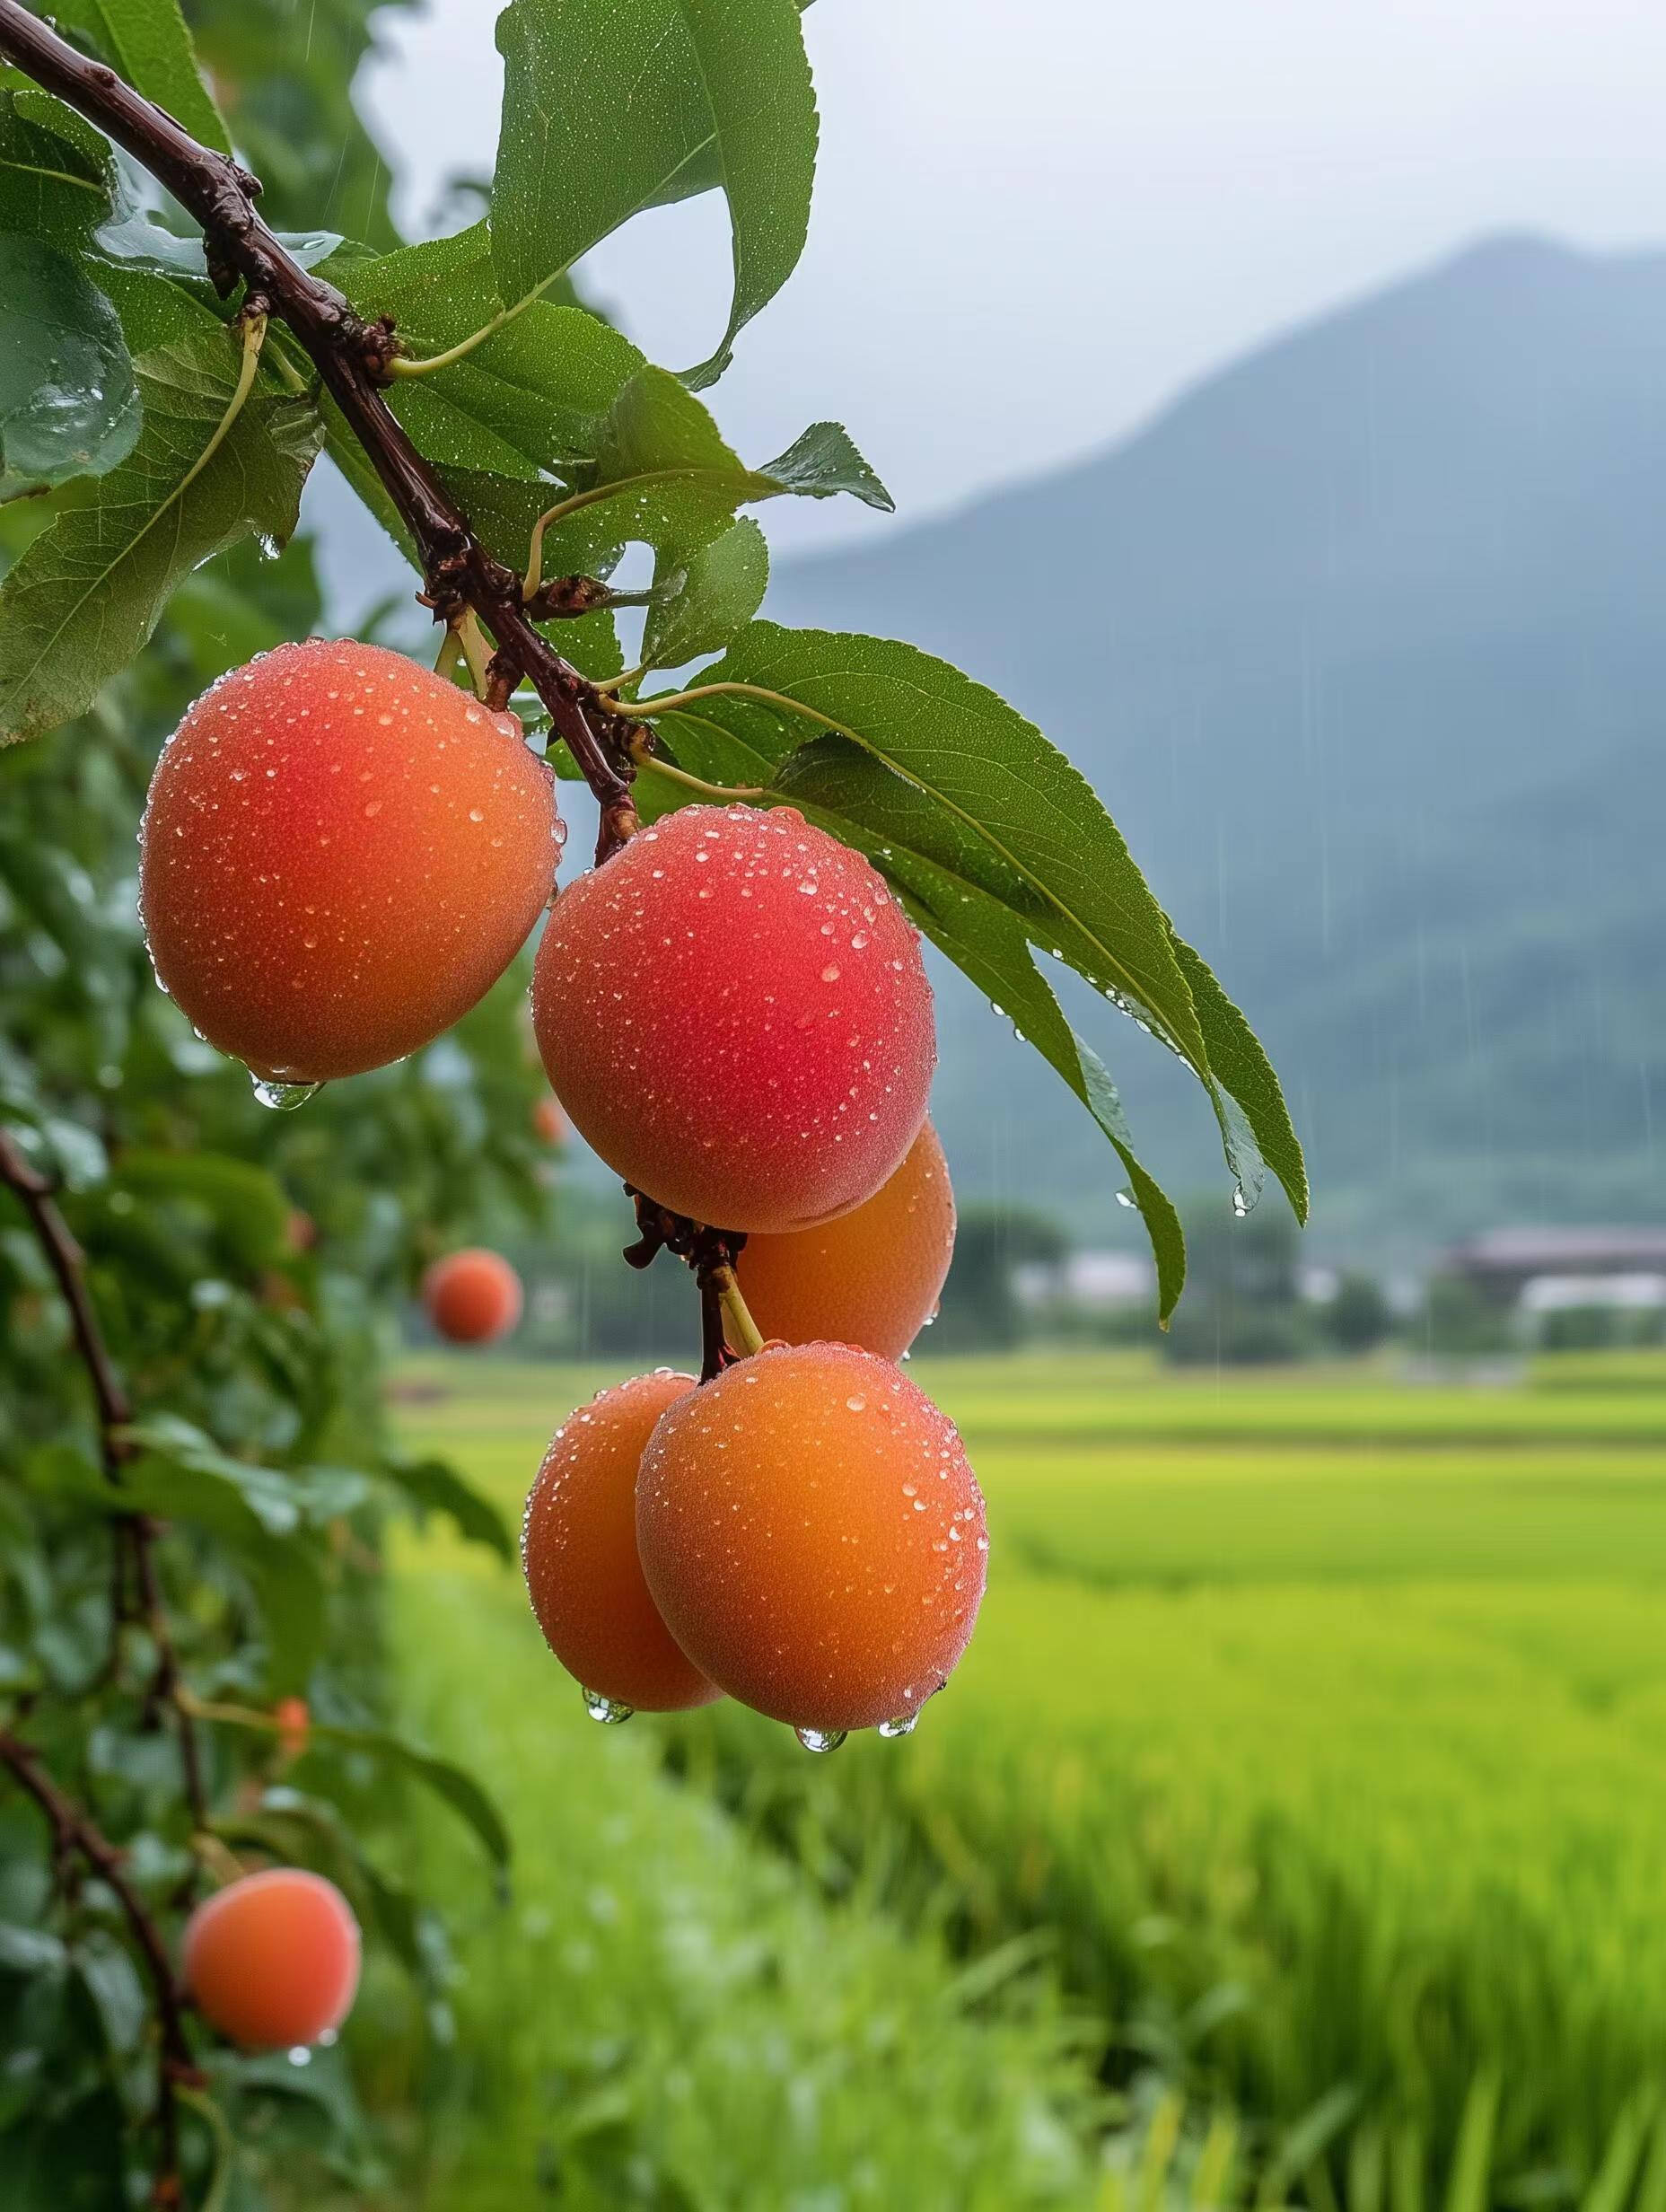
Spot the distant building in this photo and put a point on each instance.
(1506, 1262)
(1094, 1282)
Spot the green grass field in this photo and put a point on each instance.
(1315, 1732)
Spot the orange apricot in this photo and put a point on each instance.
(273, 1960)
(341, 853)
(294, 1724)
(733, 1012)
(871, 1277)
(549, 1122)
(473, 1296)
(814, 1538)
(578, 1546)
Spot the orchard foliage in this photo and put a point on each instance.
(341, 856)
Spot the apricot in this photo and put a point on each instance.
(814, 1538)
(733, 1012)
(341, 853)
(871, 1277)
(578, 1545)
(295, 1725)
(473, 1296)
(548, 1122)
(273, 1958)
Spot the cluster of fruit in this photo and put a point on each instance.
(341, 852)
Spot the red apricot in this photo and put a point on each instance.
(341, 852)
(473, 1296)
(578, 1545)
(733, 1012)
(871, 1277)
(814, 1538)
(273, 1958)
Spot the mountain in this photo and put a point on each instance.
(1363, 644)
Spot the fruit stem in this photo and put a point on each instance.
(721, 792)
(739, 1326)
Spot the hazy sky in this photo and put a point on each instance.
(1034, 223)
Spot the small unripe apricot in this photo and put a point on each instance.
(733, 1012)
(341, 853)
(814, 1538)
(273, 1960)
(549, 1122)
(873, 1276)
(578, 1545)
(295, 1725)
(473, 1296)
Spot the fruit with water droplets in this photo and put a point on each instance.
(273, 1960)
(813, 1536)
(733, 1012)
(872, 1276)
(578, 1545)
(473, 1296)
(341, 853)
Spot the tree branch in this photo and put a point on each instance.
(35, 1194)
(73, 1831)
(351, 357)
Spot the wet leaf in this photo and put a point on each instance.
(148, 42)
(69, 405)
(709, 597)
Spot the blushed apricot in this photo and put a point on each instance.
(341, 853)
(578, 1546)
(273, 1960)
(814, 1537)
(549, 1122)
(732, 1010)
(872, 1276)
(473, 1296)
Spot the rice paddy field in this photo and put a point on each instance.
(1295, 1828)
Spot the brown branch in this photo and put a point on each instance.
(35, 1193)
(351, 357)
(73, 1831)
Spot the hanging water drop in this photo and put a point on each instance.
(904, 1725)
(1240, 1204)
(1127, 1198)
(820, 1739)
(608, 1711)
(283, 1098)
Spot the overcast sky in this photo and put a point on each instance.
(1035, 223)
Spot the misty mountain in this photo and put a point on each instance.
(1362, 644)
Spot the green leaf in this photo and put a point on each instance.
(87, 593)
(756, 76)
(68, 403)
(110, 1979)
(665, 476)
(246, 1203)
(434, 1487)
(147, 40)
(58, 177)
(1240, 1066)
(825, 460)
(612, 106)
(700, 605)
(457, 1790)
(30, 1951)
(526, 401)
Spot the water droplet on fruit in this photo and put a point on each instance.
(856, 1402)
(283, 1098)
(904, 1726)
(820, 1739)
(609, 1711)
